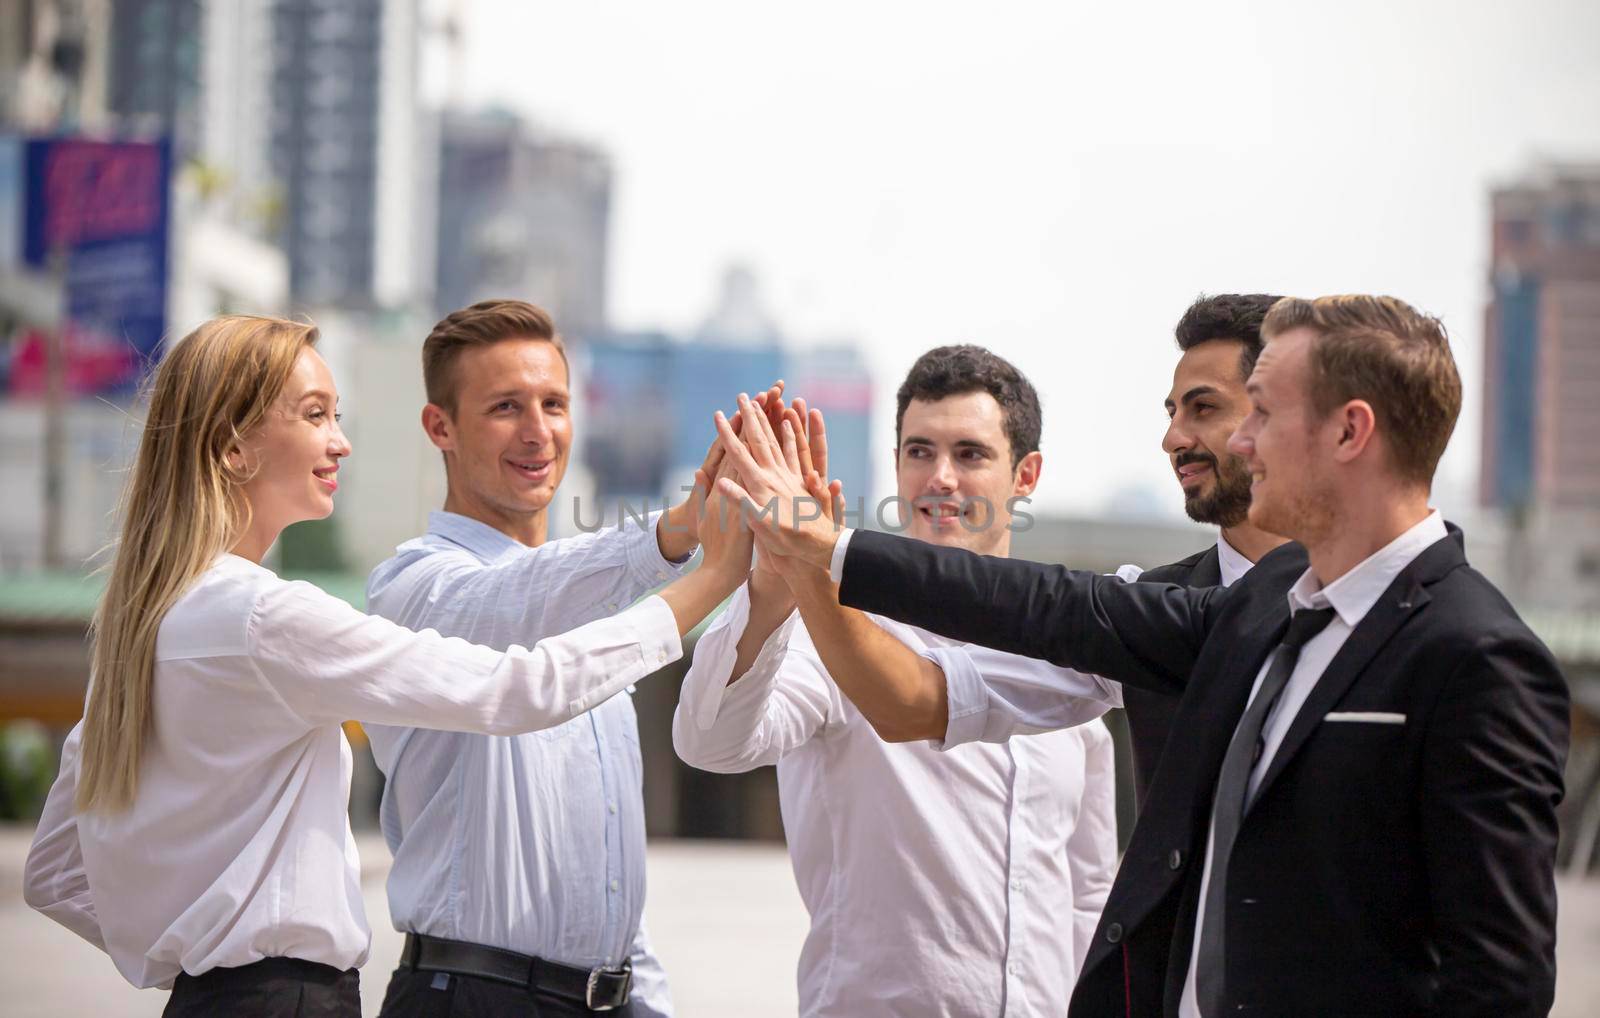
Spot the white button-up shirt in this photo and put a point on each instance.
(1351, 596)
(532, 843)
(960, 883)
(237, 846)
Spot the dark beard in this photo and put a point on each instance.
(1228, 502)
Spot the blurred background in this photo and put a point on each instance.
(709, 196)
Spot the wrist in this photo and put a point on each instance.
(675, 533)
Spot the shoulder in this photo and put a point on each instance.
(1177, 572)
(421, 560)
(212, 618)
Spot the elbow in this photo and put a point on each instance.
(694, 752)
(37, 887)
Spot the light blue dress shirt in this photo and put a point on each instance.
(536, 842)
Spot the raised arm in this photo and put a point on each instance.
(729, 721)
(1145, 634)
(329, 662)
(1492, 776)
(53, 879)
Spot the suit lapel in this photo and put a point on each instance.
(1208, 571)
(1404, 598)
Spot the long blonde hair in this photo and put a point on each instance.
(181, 509)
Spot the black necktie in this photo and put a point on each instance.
(1228, 810)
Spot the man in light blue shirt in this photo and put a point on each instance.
(518, 861)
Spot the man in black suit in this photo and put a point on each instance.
(1356, 810)
(1220, 337)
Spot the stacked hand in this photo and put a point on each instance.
(776, 478)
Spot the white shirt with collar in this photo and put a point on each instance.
(1351, 596)
(962, 884)
(237, 846)
(533, 843)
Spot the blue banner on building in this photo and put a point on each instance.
(97, 212)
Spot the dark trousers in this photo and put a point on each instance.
(270, 988)
(422, 994)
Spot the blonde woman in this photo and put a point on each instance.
(198, 830)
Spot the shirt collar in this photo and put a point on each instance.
(1353, 594)
(474, 535)
(1231, 561)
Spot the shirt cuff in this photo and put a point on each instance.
(836, 567)
(966, 696)
(656, 629)
(645, 560)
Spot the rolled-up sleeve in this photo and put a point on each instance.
(773, 708)
(993, 695)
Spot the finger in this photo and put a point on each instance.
(819, 442)
(729, 489)
(758, 436)
(791, 453)
(802, 444)
(697, 498)
(733, 446)
(836, 489)
(819, 491)
(714, 458)
(774, 404)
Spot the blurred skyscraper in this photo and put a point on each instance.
(648, 398)
(1541, 410)
(1541, 417)
(155, 65)
(522, 213)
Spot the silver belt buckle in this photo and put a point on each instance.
(594, 982)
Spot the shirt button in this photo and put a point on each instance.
(1174, 860)
(1016, 885)
(611, 806)
(1011, 969)
(1114, 933)
(616, 885)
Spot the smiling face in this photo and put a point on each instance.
(293, 455)
(1206, 403)
(954, 469)
(507, 440)
(1287, 447)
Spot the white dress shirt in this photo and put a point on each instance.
(237, 846)
(1351, 596)
(533, 843)
(957, 884)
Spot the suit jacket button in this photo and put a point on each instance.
(1114, 932)
(1175, 859)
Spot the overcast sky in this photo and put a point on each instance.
(1055, 181)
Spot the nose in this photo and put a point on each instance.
(535, 428)
(1176, 440)
(943, 478)
(1242, 442)
(338, 443)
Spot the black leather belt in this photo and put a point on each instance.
(600, 989)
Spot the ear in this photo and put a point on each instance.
(1027, 474)
(438, 426)
(1357, 425)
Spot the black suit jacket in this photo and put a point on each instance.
(1150, 714)
(1382, 869)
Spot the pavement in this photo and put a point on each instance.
(724, 917)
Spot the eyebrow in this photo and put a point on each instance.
(317, 394)
(1194, 394)
(964, 443)
(495, 397)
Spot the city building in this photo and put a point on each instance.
(1541, 399)
(155, 69)
(522, 213)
